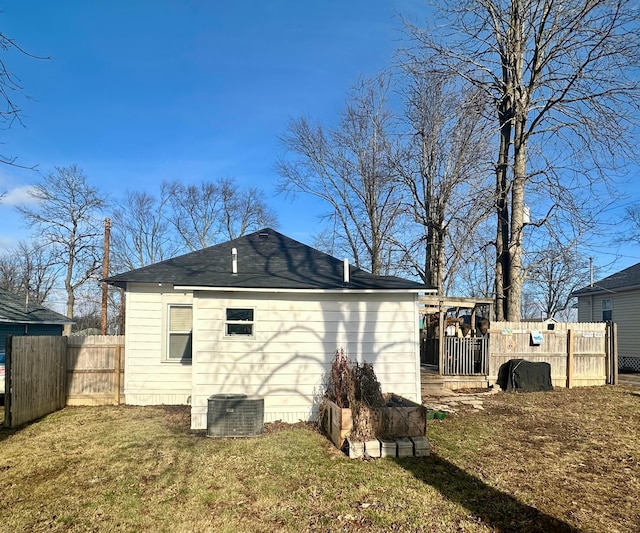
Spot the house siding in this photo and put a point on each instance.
(148, 379)
(625, 313)
(295, 339)
(27, 329)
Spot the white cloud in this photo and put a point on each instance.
(18, 195)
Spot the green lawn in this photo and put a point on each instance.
(559, 461)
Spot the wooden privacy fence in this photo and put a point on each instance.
(95, 370)
(46, 373)
(580, 354)
(35, 372)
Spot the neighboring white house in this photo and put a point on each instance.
(263, 315)
(616, 299)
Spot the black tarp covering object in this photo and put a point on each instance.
(525, 376)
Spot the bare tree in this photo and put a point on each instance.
(561, 76)
(475, 276)
(555, 274)
(29, 271)
(195, 213)
(68, 222)
(350, 168)
(243, 210)
(632, 218)
(205, 214)
(11, 91)
(445, 168)
(141, 234)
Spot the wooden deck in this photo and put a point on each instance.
(431, 378)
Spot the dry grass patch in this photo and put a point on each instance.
(573, 453)
(560, 461)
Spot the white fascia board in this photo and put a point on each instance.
(304, 291)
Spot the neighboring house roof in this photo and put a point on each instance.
(266, 259)
(626, 279)
(13, 310)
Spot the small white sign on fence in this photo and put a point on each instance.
(537, 338)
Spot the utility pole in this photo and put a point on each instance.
(105, 274)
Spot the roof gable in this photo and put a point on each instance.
(266, 259)
(13, 309)
(625, 279)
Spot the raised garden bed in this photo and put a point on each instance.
(399, 417)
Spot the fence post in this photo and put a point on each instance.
(569, 358)
(441, 348)
(117, 371)
(613, 343)
(8, 363)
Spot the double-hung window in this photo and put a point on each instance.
(239, 321)
(180, 326)
(607, 310)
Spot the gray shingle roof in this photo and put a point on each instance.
(626, 279)
(266, 260)
(13, 310)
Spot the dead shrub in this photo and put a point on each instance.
(355, 386)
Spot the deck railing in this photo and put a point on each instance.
(462, 357)
(466, 357)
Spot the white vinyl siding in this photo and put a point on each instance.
(149, 379)
(294, 340)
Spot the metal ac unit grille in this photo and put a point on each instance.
(234, 415)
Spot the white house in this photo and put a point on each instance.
(263, 315)
(616, 298)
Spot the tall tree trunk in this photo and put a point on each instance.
(503, 263)
(516, 274)
(520, 106)
(68, 283)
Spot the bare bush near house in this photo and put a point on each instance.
(367, 396)
(340, 381)
(355, 386)
(366, 387)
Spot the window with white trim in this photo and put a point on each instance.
(179, 327)
(239, 321)
(607, 310)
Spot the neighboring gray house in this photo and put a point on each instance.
(616, 298)
(18, 318)
(263, 315)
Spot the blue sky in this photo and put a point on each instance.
(137, 92)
